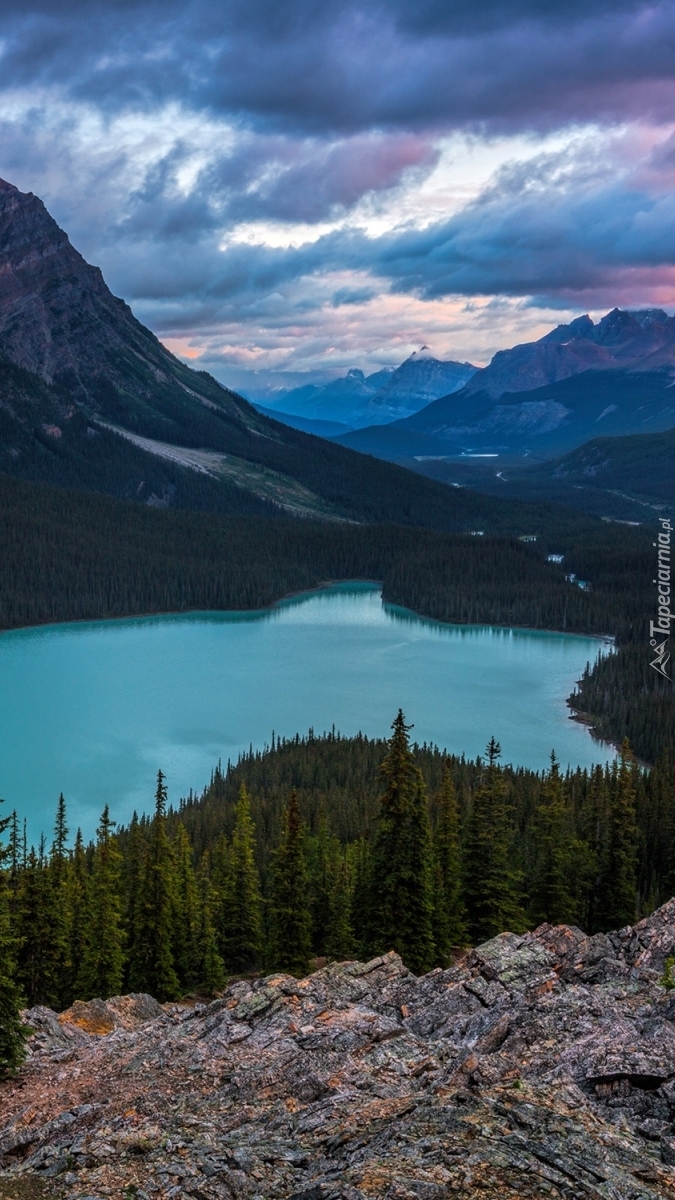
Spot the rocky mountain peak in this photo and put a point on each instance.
(60, 321)
(641, 340)
(52, 303)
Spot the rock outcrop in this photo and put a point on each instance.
(537, 1065)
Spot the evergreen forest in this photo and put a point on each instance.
(326, 848)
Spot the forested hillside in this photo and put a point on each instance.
(629, 478)
(67, 556)
(338, 848)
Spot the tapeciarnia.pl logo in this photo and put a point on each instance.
(660, 628)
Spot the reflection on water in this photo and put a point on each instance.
(94, 708)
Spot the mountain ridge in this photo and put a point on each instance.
(641, 339)
(543, 422)
(540, 397)
(78, 371)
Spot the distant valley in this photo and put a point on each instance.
(627, 478)
(602, 394)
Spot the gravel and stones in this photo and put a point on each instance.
(538, 1065)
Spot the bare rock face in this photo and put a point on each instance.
(60, 321)
(538, 1065)
(57, 316)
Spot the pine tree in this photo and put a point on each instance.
(490, 882)
(401, 869)
(59, 853)
(56, 883)
(339, 937)
(102, 966)
(321, 853)
(551, 896)
(358, 864)
(11, 1030)
(132, 872)
(241, 910)
(79, 916)
(15, 861)
(211, 969)
(151, 967)
(291, 921)
(186, 913)
(449, 914)
(618, 890)
(594, 824)
(38, 930)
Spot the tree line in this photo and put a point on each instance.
(326, 847)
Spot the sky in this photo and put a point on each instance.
(284, 189)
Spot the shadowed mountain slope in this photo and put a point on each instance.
(76, 366)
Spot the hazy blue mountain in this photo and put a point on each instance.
(324, 429)
(418, 381)
(545, 397)
(358, 400)
(334, 401)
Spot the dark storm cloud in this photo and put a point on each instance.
(301, 180)
(340, 66)
(295, 112)
(269, 178)
(555, 228)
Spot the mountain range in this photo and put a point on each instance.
(90, 398)
(358, 400)
(546, 397)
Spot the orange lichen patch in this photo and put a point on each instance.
(376, 1181)
(543, 988)
(98, 1024)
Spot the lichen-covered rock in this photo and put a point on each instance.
(99, 1017)
(536, 1065)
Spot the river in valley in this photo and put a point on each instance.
(94, 709)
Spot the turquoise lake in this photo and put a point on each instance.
(94, 709)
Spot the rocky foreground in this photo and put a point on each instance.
(539, 1065)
